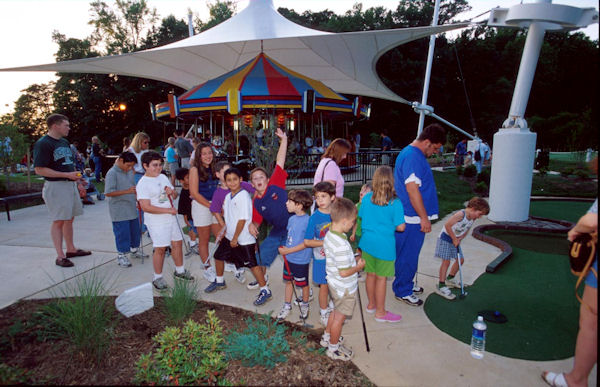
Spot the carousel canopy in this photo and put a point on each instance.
(261, 83)
(344, 62)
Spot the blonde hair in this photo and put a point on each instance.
(136, 143)
(383, 186)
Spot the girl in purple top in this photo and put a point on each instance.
(328, 169)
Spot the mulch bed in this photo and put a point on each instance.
(56, 362)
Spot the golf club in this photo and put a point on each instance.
(363, 319)
(287, 267)
(460, 256)
(188, 251)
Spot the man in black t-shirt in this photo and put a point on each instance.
(54, 160)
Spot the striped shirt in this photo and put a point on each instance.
(339, 256)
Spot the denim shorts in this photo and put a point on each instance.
(269, 249)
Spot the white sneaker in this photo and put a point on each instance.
(239, 276)
(230, 267)
(284, 312)
(444, 292)
(325, 342)
(454, 282)
(324, 318)
(304, 309)
(209, 274)
(123, 261)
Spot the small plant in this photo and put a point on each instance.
(582, 174)
(13, 375)
(566, 172)
(85, 320)
(191, 355)
(261, 343)
(181, 301)
(460, 170)
(481, 187)
(470, 171)
(484, 176)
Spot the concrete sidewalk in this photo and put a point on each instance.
(411, 353)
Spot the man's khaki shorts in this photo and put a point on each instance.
(62, 199)
(344, 304)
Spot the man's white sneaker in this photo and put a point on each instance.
(239, 276)
(209, 274)
(230, 267)
(444, 292)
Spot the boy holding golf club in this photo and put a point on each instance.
(342, 277)
(295, 254)
(155, 194)
(448, 243)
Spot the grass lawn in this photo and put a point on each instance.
(552, 185)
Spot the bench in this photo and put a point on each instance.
(6, 200)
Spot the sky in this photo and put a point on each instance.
(26, 28)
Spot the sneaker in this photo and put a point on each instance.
(160, 283)
(304, 309)
(444, 292)
(263, 297)
(417, 289)
(325, 343)
(209, 274)
(254, 284)
(454, 282)
(138, 254)
(215, 286)
(298, 301)
(186, 275)
(239, 276)
(324, 318)
(123, 261)
(411, 300)
(389, 317)
(194, 249)
(284, 312)
(230, 267)
(338, 354)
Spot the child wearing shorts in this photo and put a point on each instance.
(238, 244)
(184, 207)
(155, 194)
(296, 253)
(448, 243)
(381, 215)
(342, 269)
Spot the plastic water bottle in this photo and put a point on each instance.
(478, 338)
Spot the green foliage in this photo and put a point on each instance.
(481, 187)
(582, 174)
(10, 376)
(484, 176)
(191, 355)
(261, 343)
(543, 171)
(562, 186)
(566, 172)
(452, 192)
(13, 145)
(180, 301)
(470, 171)
(86, 320)
(460, 170)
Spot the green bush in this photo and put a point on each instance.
(460, 170)
(191, 355)
(85, 320)
(582, 174)
(261, 343)
(566, 172)
(181, 301)
(481, 187)
(470, 171)
(484, 176)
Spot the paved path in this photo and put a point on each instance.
(411, 353)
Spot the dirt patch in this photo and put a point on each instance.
(55, 362)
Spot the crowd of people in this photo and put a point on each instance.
(308, 229)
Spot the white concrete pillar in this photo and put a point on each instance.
(512, 172)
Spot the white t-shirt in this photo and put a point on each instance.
(138, 167)
(235, 208)
(153, 188)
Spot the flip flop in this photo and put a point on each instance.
(555, 380)
(78, 253)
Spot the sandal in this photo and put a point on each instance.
(555, 380)
(78, 253)
(64, 262)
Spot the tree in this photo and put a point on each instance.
(13, 145)
(32, 108)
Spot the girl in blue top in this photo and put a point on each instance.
(381, 214)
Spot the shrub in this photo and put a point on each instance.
(261, 343)
(460, 170)
(470, 171)
(181, 301)
(484, 176)
(481, 187)
(190, 355)
(582, 174)
(85, 320)
(566, 172)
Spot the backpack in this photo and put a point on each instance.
(582, 252)
(477, 155)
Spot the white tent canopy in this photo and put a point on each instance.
(343, 61)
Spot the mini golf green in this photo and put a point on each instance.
(559, 209)
(534, 289)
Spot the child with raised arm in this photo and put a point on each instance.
(269, 205)
(238, 244)
(155, 194)
(296, 253)
(342, 269)
(318, 225)
(381, 215)
(448, 243)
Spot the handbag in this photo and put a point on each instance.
(582, 252)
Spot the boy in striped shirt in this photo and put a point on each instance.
(341, 268)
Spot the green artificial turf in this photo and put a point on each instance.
(534, 289)
(560, 210)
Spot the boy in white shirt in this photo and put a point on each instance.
(155, 194)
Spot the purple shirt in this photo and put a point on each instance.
(216, 205)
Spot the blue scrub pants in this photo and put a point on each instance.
(408, 248)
